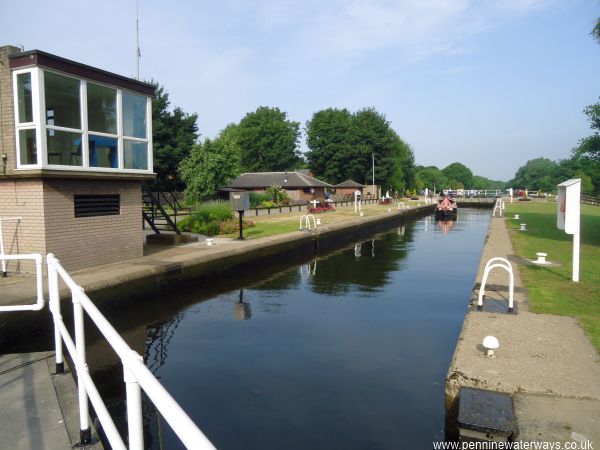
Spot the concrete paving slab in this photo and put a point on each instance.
(561, 420)
(30, 417)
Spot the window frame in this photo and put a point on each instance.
(40, 125)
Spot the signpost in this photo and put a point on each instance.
(568, 215)
(240, 201)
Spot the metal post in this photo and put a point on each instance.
(54, 303)
(85, 432)
(134, 408)
(2, 250)
(373, 156)
(241, 216)
(576, 257)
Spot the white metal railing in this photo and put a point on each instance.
(307, 221)
(502, 263)
(136, 375)
(499, 206)
(39, 283)
(5, 219)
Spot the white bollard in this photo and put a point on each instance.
(516, 217)
(209, 241)
(523, 227)
(541, 258)
(318, 221)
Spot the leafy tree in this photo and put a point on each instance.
(431, 178)
(533, 175)
(329, 139)
(268, 141)
(342, 144)
(459, 176)
(211, 165)
(174, 133)
(596, 30)
(480, 182)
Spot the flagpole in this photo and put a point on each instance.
(137, 37)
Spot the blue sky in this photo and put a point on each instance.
(489, 83)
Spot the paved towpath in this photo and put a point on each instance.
(545, 361)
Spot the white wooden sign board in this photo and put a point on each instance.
(568, 210)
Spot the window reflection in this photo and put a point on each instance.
(134, 115)
(27, 146)
(62, 99)
(24, 98)
(135, 154)
(102, 108)
(103, 152)
(64, 148)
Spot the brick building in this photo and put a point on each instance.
(346, 189)
(299, 186)
(76, 143)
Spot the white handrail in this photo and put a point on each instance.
(38, 282)
(307, 218)
(489, 266)
(499, 206)
(137, 375)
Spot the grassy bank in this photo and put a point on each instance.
(550, 289)
(285, 223)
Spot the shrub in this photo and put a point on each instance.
(214, 211)
(233, 226)
(256, 198)
(206, 219)
(267, 204)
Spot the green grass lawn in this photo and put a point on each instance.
(550, 289)
(264, 229)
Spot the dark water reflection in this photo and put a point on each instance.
(346, 351)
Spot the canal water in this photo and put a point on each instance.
(348, 350)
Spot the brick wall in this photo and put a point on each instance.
(7, 122)
(24, 199)
(89, 241)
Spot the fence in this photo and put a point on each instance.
(136, 375)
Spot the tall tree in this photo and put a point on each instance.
(430, 177)
(458, 175)
(342, 146)
(173, 135)
(535, 174)
(329, 139)
(268, 141)
(210, 166)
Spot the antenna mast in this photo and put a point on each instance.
(138, 53)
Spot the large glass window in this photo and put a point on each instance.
(134, 115)
(68, 123)
(102, 108)
(135, 154)
(24, 97)
(27, 146)
(103, 151)
(64, 148)
(62, 101)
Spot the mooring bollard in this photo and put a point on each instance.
(516, 216)
(523, 227)
(209, 241)
(541, 258)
